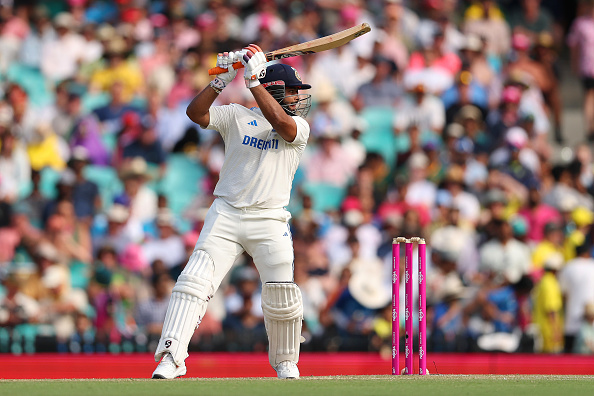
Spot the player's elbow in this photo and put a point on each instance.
(200, 119)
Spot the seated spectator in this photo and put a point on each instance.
(141, 200)
(503, 255)
(168, 246)
(87, 133)
(244, 310)
(85, 193)
(123, 79)
(146, 146)
(120, 232)
(421, 109)
(383, 90)
(150, 313)
(14, 167)
(484, 18)
(111, 115)
(329, 164)
(584, 343)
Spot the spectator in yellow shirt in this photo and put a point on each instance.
(551, 243)
(548, 307)
(118, 69)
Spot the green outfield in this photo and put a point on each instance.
(440, 385)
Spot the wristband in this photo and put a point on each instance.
(217, 85)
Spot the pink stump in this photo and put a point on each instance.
(395, 307)
(408, 308)
(422, 309)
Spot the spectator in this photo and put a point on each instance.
(551, 244)
(580, 40)
(168, 246)
(585, 341)
(141, 200)
(484, 18)
(577, 285)
(15, 169)
(548, 306)
(150, 313)
(85, 193)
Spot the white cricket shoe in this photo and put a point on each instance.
(287, 370)
(167, 369)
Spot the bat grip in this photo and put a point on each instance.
(219, 70)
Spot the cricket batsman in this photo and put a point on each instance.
(263, 146)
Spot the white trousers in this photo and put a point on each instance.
(263, 233)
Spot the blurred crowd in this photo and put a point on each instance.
(440, 123)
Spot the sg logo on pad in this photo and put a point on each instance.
(167, 343)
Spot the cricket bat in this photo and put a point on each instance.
(309, 47)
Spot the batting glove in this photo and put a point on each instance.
(226, 60)
(254, 61)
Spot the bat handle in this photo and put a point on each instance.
(219, 70)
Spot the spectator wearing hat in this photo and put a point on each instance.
(60, 57)
(121, 230)
(577, 284)
(582, 219)
(15, 169)
(473, 56)
(168, 246)
(516, 158)
(584, 342)
(141, 200)
(117, 71)
(472, 120)
(422, 109)
(465, 91)
(548, 306)
(580, 39)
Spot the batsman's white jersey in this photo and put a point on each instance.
(259, 165)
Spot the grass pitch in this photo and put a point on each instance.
(442, 385)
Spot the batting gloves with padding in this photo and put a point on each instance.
(254, 61)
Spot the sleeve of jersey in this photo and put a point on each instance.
(302, 131)
(220, 118)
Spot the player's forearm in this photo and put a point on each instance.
(282, 123)
(197, 110)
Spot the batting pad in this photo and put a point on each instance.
(282, 306)
(187, 306)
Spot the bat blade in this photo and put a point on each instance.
(309, 47)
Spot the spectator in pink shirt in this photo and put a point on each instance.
(434, 55)
(581, 42)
